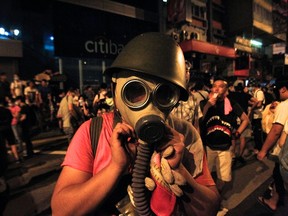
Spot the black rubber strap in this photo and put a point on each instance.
(95, 130)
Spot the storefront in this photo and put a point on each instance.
(208, 59)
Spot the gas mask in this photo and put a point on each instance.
(145, 104)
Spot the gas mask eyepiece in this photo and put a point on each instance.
(136, 94)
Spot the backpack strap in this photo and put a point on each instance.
(95, 130)
(96, 127)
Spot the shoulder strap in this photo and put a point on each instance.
(95, 130)
(202, 95)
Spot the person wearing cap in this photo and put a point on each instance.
(147, 162)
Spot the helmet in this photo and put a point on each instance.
(153, 54)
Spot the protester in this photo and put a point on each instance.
(257, 115)
(4, 86)
(219, 126)
(246, 101)
(100, 105)
(278, 133)
(4, 189)
(93, 184)
(199, 91)
(6, 128)
(33, 100)
(190, 109)
(65, 112)
(25, 123)
(89, 94)
(17, 86)
(15, 111)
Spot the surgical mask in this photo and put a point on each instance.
(145, 104)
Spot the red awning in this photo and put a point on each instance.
(207, 48)
(243, 73)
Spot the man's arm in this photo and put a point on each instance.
(78, 192)
(271, 140)
(200, 194)
(199, 199)
(244, 122)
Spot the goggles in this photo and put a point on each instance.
(136, 94)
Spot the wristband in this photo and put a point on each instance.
(237, 134)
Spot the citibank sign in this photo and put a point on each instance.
(103, 46)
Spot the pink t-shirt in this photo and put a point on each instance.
(14, 110)
(79, 154)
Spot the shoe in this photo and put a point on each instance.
(261, 200)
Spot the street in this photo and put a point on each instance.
(31, 183)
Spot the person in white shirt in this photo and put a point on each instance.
(17, 86)
(278, 134)
(258, 94)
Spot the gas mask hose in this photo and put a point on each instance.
(140, 171)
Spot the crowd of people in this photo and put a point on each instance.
(31, 107)
(195, 129)
(36, 105)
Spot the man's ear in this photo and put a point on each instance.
(283, 89)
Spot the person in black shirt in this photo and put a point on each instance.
(25, 123)
(245, 101)
(219, 125)
(4, 87)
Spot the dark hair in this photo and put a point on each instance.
(198, 85)
(239, 87)
(21, 98)
(3, 101)
(103, 86)
(222, 79)
(281, 82)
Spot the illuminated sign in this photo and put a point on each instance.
(243, 44)
(82, 32)
(103, 46)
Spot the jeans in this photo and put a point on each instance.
(69, 131)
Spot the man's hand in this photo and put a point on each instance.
(261, 155)
(122, 149)
(176, 140)
(212, 100)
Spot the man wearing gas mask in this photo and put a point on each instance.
(146, 162)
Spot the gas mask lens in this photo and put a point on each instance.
(137, 93)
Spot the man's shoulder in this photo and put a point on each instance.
(283, 104)
(180, 125)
